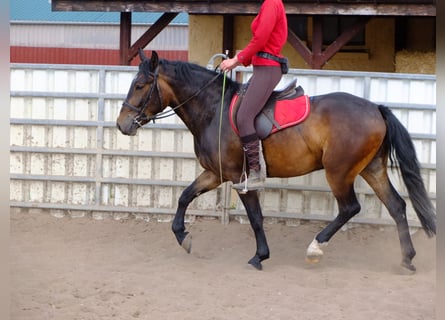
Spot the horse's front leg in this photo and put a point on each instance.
(206, 181)
(253, 209)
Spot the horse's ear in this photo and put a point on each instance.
(142, 55)
(154, 61)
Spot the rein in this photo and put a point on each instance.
(141, 116)
(220, 127)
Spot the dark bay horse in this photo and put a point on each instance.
(345, 135)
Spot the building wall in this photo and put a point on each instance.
(205, 37)
(67, 44)
(378, 54)
(202, 38)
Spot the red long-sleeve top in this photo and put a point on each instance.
(269, 30)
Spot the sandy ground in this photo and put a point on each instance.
(79, 268)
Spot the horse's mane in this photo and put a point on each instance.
(192, 73)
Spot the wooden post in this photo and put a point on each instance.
(317, 43)
(227, 41)
(125, 38)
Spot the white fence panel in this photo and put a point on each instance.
(68, 156)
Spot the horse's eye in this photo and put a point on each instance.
(139, 86)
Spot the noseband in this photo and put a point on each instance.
(141, 116)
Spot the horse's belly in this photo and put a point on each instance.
(292, 167)
(287, 155)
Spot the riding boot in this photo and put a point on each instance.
(254, 180)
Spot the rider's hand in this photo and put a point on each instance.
(229, 64)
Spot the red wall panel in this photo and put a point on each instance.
(80, 56)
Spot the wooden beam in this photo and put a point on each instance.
(299, 46)
(151, 33)
(127, 51)
(317, 58)
(240, 7)
(344, 38)
(124, 38)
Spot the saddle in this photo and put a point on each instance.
(284, 108)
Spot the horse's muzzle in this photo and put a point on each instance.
(127, 126)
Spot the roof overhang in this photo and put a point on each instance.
(248, 7)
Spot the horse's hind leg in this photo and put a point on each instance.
(253, 208)
(348, 206)
(377, 177)
(206, 181)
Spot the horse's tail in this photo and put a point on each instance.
(401, 149)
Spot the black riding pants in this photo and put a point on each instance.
(264, 79)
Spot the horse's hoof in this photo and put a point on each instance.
(187, 243)
(314, 252)
(408, 268)
(256, 262)
(313, 259)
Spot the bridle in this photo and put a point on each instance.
(142, 117)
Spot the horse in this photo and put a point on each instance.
(345, 135)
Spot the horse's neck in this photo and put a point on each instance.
(199, 101)
(197, 114)
(195, 106)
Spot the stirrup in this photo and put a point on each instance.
(246, 185)
(237, 186)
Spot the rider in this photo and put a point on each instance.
(269, 29)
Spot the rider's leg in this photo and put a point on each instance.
(261, 85)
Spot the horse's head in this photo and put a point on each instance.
(144, 99)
